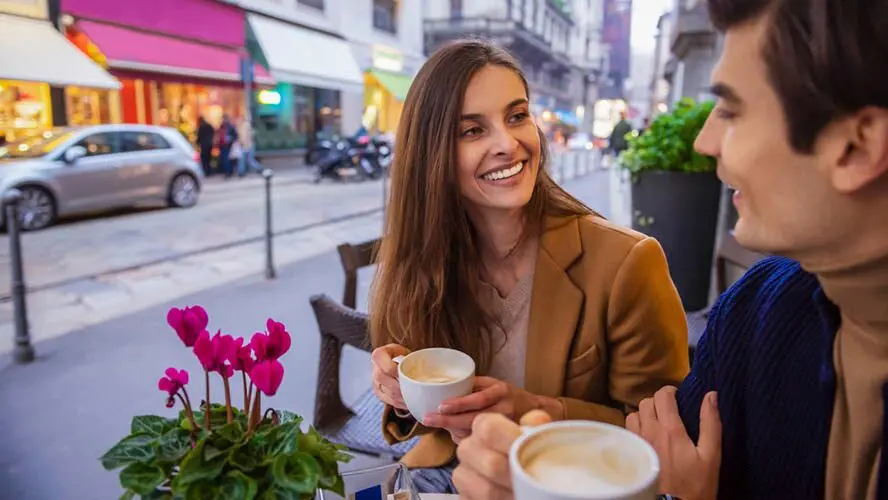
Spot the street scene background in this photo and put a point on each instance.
(148, 140)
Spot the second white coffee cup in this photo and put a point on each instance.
(581, 460)
(429, 377)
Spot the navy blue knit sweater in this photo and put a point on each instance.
(768, 352)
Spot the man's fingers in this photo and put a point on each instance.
(496, 431)
(709, 444)
(633, 424)
(473, 486)
(647, 415)
(488, 463)
(535, 418)
(667, 412)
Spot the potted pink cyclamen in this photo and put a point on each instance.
(221, 450)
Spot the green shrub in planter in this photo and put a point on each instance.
(668, 143)
(675, 196)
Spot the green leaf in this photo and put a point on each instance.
(195, 467)
(133, 448)
(284, 439)
(246, 457)
(202, 490)
(278, 493)
(289, 417)
(128, 495)
(232, 432)
(237, 486)
(298, 471)
(151, 425)
(141, 478)
(173, 445)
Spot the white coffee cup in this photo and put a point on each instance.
(429, 377)
(582, 460)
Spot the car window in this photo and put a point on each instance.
(143, 141)
(104, 143)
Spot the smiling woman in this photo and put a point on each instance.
(484, 253)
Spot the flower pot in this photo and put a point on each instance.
(680, 210)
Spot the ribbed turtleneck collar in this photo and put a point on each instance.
(860, 292)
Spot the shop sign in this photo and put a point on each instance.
(29, 8)
(388, 59)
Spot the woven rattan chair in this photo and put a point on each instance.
(359, 427)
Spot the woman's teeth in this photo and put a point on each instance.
(505, 174)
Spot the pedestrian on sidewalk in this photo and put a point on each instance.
(247, 161)
(226, 137)
(205, 138)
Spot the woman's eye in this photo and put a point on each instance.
(471, 132)
(518, 117)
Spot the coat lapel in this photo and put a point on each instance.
(555, 308)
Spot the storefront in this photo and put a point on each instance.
(385, 89)
(37, 58)
(173, 69)
(315, 72)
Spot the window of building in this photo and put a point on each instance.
(456, 9)
(317, 4)
(385, 15)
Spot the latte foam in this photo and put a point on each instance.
(583, 462)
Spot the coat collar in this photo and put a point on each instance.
(556, 304)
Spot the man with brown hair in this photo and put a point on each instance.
(797, 350)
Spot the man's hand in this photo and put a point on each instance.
(491, 396)
(483, 471)
(686, 471)
(385, 375)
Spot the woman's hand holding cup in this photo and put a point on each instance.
(385, 375)
(490, 396)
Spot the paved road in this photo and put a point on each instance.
(63, 411)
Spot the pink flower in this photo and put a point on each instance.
(243, 357)
(271, 345)
(173, 381)
(188, 323)
(267, 376)
(213, 353)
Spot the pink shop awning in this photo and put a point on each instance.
(134, 50)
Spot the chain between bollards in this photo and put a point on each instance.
(270, 273)
(23, 352)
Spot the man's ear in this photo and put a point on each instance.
(860, 149)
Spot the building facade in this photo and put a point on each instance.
(695, 45)
(339, 65)
(173, 68)
(40, 70)
(558, 44)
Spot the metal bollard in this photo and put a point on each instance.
(23, 351)
(268, 174)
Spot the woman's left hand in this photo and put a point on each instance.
(490, 396)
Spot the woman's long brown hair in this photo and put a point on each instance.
(426, 292)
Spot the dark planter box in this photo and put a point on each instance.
(680, 210)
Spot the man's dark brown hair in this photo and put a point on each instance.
(825, 58)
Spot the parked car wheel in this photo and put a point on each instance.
(183, 191)
(37, 208)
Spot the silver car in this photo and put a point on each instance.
(68, 171)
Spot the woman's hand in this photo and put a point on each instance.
(490, 396)
(385, 375)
